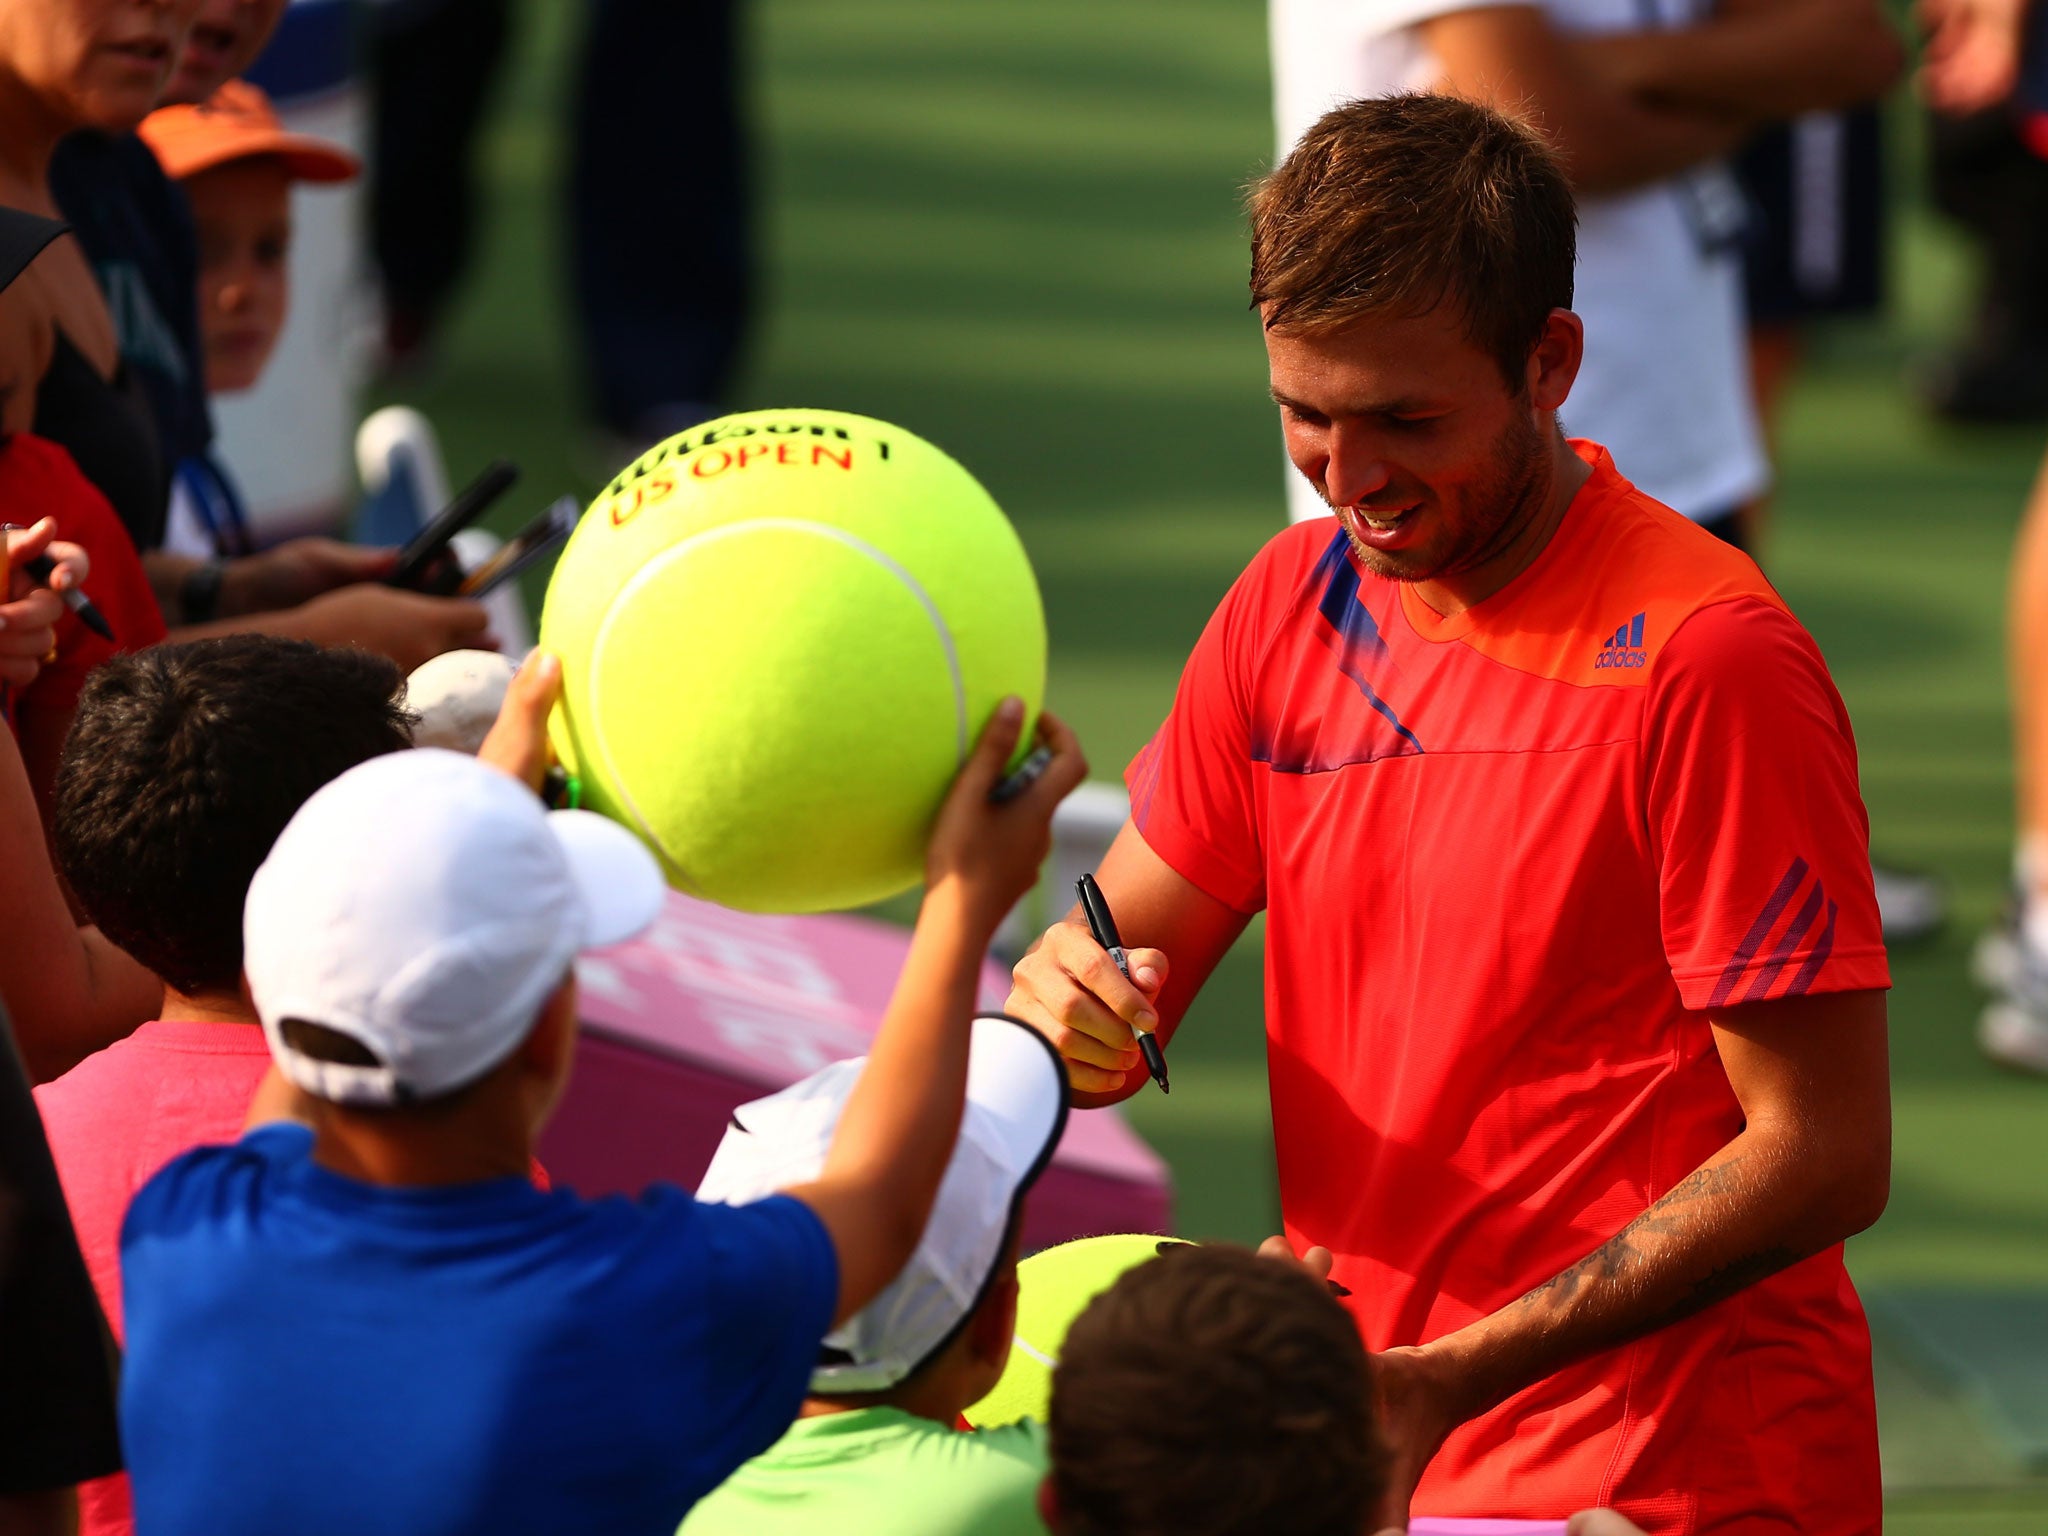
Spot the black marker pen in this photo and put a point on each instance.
(42, 568)
(1103, 927)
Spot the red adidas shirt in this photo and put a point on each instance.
(1509, 860)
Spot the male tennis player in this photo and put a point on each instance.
(1575, 1009)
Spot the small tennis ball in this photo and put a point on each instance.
(781, 632)
(1053, 1288)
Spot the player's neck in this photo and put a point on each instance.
(1523, 539)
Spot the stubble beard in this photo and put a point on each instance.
(1513, 493)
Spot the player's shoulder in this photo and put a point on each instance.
(1292, 557)
(1294, 570)
(1637, 578)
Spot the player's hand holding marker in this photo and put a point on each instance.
(1070, 989)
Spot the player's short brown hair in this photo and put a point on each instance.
(1211, 1392)
(1402, 203)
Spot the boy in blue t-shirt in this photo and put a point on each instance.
(372, 1321)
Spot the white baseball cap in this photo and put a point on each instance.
(1016, 1111)
(425, 906)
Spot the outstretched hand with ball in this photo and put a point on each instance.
(518, 742)
(781, 635)
(994, 848)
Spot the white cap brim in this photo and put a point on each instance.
(621, 886)
(1016, 1114)
(1007, 1082)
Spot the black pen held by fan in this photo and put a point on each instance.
(42, 568)
(1103, 927)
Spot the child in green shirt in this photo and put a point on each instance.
(876, 1451)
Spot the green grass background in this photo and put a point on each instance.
(1013, 227)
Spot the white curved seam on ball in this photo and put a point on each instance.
(1050, 1362)
(647, 572)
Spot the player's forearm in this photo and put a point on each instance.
(1765, 1201)
(1758, 66)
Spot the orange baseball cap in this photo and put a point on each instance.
(235, 123)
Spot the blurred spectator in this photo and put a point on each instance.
(1815, 249)
(184, 765)
(226, 38)
(1989, 171)
(135, 230)
(877, 1448)
(57, 1425)
(97, 67)
(37, 479)
(662, 296)
(236, 165)
(1978, 62)
(1982, 175)
(70, 990)
(1213, 1392)
(66, 66)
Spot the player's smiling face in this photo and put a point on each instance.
(1436, 468)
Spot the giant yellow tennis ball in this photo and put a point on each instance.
(781, 632)
(1053, 1288)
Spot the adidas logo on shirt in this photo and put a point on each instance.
(1624, 648)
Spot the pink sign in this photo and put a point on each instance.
(710, 1008)
(1427, 1525)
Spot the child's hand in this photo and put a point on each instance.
(518, 744)
(994, 851)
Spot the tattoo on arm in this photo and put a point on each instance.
(1620, 1258)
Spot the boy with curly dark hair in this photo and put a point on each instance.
(1213, 1392)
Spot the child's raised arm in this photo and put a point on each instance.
(875, 1192)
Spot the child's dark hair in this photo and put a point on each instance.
(184, 763)
(1211, 1392)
